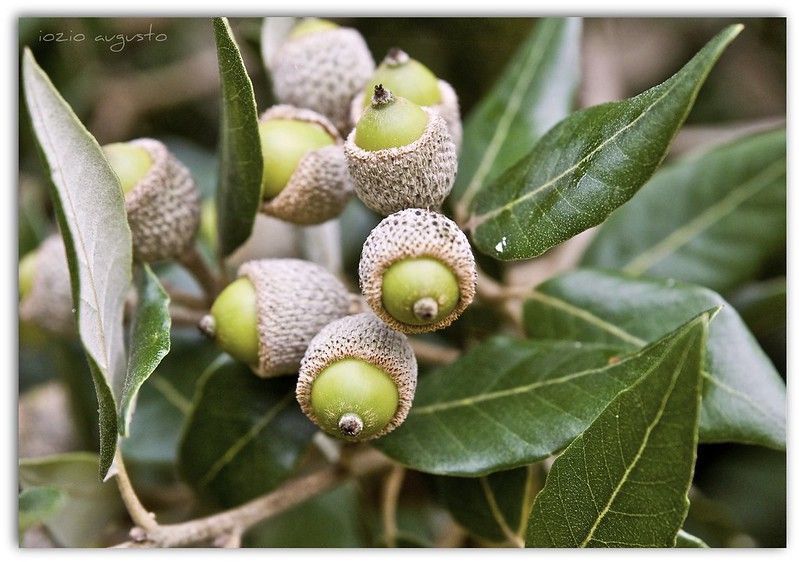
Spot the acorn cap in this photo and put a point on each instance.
(49, 302)
(419, 174)
(320, 186)
(164, 207)
(294, 300)
(448, 109)
(361, 336)
(323, 71)
(415, 233)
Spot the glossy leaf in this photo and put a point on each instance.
(89, 507)
(91, 215)
(240, 162)
(687, 540)
(149, 339)
(243, 436)
(38, 503)
(536, 90)
(744, 397)
(588, 165)
(624, 481)
(715, 220)
(509, 403)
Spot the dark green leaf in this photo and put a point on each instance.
(687, 540)
(89, 506)
(744, 397)
(715, 220)
(149, 339)
(509, 403)
(240, 160)
(38, 503)
(91, 214)
(244, 435)
(492, 507)
(330, 520)
(624, 481)
(587, 166)
(535, 91)
(763, 306)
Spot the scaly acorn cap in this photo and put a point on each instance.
(164, 206)
(417, 175)
(416, 233)
(366, 338)
(322, 71)
(294, 300)
(320, 186)
(447, 107)
(48, 302)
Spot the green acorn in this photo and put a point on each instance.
(400, 155)
(410, 79)
(161, 199)
(417, 271)
(267, 317)
(357, 378)
(44, 288)
(305, 179)
(321, 66)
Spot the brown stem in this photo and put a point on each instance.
(184, 299)
(391, 492)
(142, 518)
(208, 280)
(185, 316)
(433, 353)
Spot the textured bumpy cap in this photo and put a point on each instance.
(365, 337)
(448, 109)
(420, 174)
(320, 186)
(49, 302)
(164, 207)
(323, 71)
(294, 300)
(416, 233)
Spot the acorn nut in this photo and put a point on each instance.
(400, 155)
(321, 66)
(357, 378)
(267, 317)
(44, 288)
(410, 79)
(417, 271)
(161, 199)
(305, 178)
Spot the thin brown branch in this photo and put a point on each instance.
(184, 316)
(499, 517)
(391, 492)
(433, 353)
(144, 519)
(197, 266)
(184, 299)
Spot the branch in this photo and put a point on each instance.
(144, 519)
(208, 280)
(433, 353)
(185, 316)
(391, 492)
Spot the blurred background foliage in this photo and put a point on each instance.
(169, 90)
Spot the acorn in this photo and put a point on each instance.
(161, 199)
(267, 316)
(417, 271)
(357, 378)
(321, 66)
(410, 79)
(400, 155)
(44, 287)
(305, 178)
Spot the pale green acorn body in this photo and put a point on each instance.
(45, 289)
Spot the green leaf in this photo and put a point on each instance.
(744, 397)
(715, 220)
(240, 160)
(91, 214)
(149, 339)
(587, 166)
(493, 506)
(38, 503)
(243, 436)
(687, 540)
(89, 506)
(509, 403)
(624, 481)
(536, 90)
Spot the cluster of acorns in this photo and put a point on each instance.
(357, 371)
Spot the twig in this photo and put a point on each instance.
(433, 353)
(532, 485)
(185, 316)
(499, 517)
(245, 516)
(391, 492)
(452, 536)
(185, 299)
(195, 264)
(142, 518)
(231, 539)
